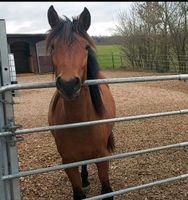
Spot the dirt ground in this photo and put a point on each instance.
(38, 149)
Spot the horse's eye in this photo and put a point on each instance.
(87, 47)
(52, 47)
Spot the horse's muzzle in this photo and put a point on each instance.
(69, 90)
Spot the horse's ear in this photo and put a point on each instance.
(84, 20)
(53, 17)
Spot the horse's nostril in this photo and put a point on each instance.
(59, 82)
(77, 83)
(77, 80)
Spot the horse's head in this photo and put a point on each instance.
(68, 43)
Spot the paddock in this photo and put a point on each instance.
(38, 150)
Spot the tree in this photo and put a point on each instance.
(155, 35)
(177, 21)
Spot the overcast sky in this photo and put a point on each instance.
(31, 17)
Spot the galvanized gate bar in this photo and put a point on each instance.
(10, 189)
(139, 187)
(96, 81)
(95, 122)
(20, 86)
(96, 160)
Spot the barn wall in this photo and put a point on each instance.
(16, 41)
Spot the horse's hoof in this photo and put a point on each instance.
(86, 189)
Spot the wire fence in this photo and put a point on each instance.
(161, 63)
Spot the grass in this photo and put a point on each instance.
(108, 49)
(109, 56)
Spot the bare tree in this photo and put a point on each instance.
(126, 29)
(149, 14)
(177, 22)
(155, 34)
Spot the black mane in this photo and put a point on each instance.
(65, 31)
(92, 73)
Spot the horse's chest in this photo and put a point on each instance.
(79, 144)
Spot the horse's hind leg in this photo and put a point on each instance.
(75, 179)
(84, 175)
(103, 168)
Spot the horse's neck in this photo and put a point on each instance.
(81, 108)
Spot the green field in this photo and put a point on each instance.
(109, 56)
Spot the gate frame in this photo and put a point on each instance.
(9, 190)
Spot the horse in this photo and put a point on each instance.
(73, 57)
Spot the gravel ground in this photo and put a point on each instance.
(39, 150)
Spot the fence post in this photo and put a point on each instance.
(113, 60)
(9, 190)
(121, 60)
(4, 191)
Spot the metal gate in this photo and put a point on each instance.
(9, 172)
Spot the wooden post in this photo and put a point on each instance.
(112, 60)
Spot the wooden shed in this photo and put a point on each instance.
(29, 53)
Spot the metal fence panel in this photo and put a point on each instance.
(129, 118)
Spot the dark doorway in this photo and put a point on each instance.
(21, 56)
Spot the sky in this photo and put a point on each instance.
(31, 17)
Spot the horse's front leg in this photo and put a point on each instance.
(75, 179)
(103, 168)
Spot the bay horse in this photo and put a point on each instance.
(73, 56)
